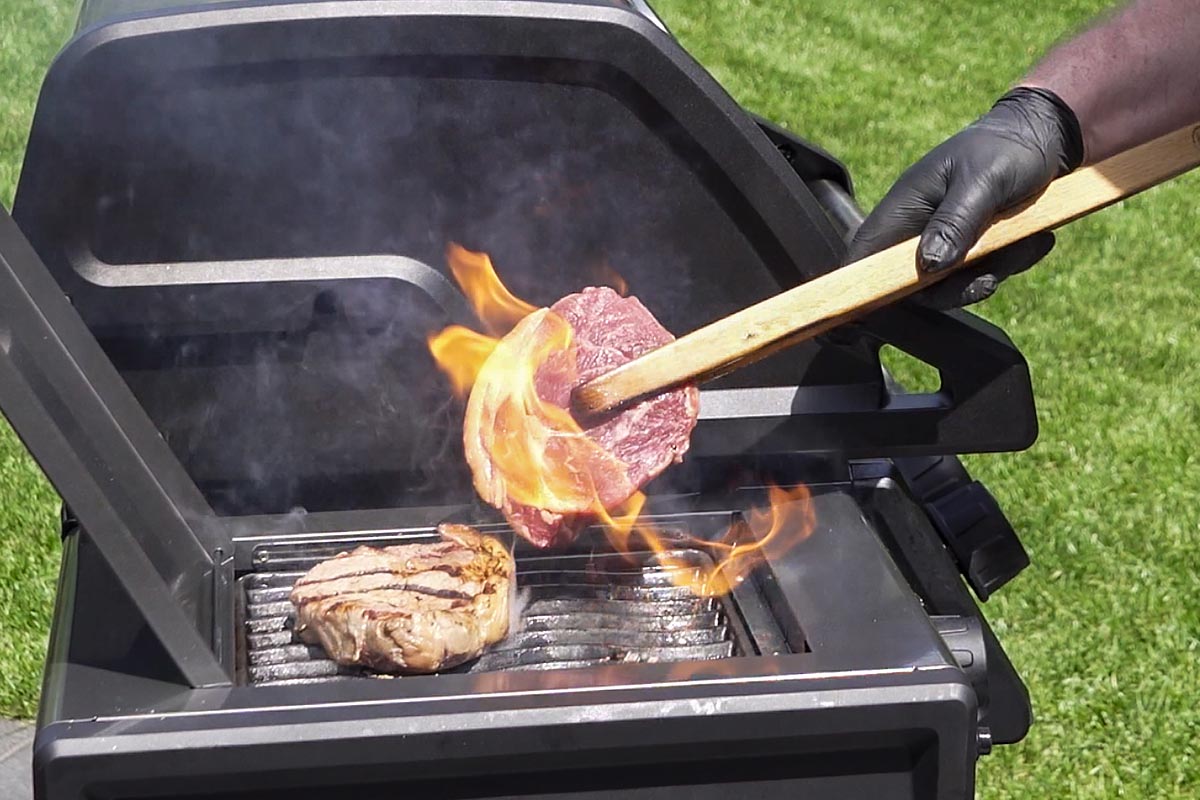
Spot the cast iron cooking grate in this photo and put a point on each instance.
(576, 611)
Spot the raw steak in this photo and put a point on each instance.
(627, 449)
(409, 608)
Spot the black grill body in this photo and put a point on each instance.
(828, 678)
(213, 319)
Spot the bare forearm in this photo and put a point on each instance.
(1133, 77)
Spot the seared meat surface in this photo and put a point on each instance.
(622, 452)
(412, 608)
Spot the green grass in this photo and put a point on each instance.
(31, 31)
(1105, 626)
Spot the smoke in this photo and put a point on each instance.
(306, 145)
(518, 601)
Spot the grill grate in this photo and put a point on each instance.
(579, 611)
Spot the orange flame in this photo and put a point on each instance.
(497, 308)
(610, 277)
(787, 520)
(460, 353)
(523, 449)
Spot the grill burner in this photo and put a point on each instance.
(579, 610)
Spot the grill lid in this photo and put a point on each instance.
(261, 224)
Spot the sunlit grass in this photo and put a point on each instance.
(1105, 626)
(30, 34)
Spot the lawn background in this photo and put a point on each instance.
(1105, 626)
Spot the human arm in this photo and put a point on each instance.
(1128, 79)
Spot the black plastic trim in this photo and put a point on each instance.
(931, 570)
(969, 520)
(89, 435)
(810, 161)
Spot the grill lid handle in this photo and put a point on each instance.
(106, 459)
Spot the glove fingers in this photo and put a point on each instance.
(980, 280)
(957, 223)
(902, 213)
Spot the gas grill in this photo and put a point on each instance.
(225, 256)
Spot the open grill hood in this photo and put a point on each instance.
(212, 320)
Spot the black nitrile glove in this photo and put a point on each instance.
(1029, 138)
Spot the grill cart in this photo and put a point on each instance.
(227, 254)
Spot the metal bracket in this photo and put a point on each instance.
(85, 429)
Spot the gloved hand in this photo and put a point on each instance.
(1029, 138)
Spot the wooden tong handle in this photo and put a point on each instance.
(845, 294)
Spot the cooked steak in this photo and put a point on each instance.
(409, 608)
(634, 445)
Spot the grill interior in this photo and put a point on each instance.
(578, 610)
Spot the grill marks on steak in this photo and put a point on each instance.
(644, 439)
(409, 608)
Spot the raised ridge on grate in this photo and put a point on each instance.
(264, 641)
(579, 611)
(638, 608)
(595, 621)
(615, 637)
(279, 594)
(286, 654)
(268, 624)
(599, 654)
(299, 669)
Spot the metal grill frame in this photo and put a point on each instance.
(749, 627)
(876, 674)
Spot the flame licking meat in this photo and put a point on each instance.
(787, 520)
(548, 475)
(525, 451)
(552, 351)
(460, 352)
(528, 456)
(610, 277)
